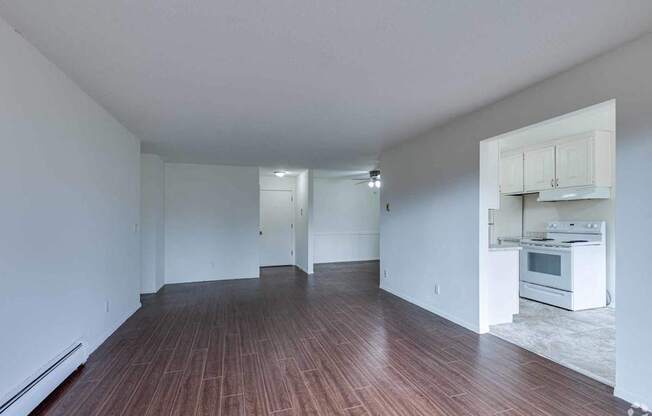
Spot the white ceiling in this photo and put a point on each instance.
(309, 83)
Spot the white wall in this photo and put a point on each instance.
(596, 117)
(430, 235)
(303, 235)
(508, 219)
(432, 183)
(211, 222)
(345, 221)
(274, 183)
(152, 223)
(70, 202)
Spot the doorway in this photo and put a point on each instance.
(276, 228)
(547, 239)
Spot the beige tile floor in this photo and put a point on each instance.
(584, 341)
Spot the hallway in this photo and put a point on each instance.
(332, 343)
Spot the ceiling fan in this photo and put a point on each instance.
(373, 181)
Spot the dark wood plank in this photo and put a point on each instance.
(327, 403)
(330, 344)
(188, 395)
(209, 399)
(165, 394)
(356, 411)
(232, 406)
(104, 387)
(275, 390)
(232, 383)
(215, 359)
(339, 386)
(254, 386)
(116, 403)
(144, 395)
(181, 355)
(302, 401)
(375, 403)
(65, 400)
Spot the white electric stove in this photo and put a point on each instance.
(567, 266)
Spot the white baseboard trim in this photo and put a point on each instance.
(431, 308)
(304, 270)
(347, 261)
(92, 346)
(220, 279)
(631, 397)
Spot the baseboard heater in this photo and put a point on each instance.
(35, 389)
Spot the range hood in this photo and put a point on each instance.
(574, 194)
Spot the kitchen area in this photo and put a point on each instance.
(550, 267)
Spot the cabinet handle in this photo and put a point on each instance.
(552, 183)
(557, 183)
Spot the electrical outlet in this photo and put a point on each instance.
(385, 274)
(107, 306)
(436, 289)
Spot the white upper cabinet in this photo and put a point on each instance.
(574, 163)
(585, 159)
(539, 169)
(581, 160)
(511, 173)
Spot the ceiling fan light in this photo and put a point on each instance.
(371, 184)
(377, 184)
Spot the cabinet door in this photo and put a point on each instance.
(539, 165)
(575, 162)
(511, 173)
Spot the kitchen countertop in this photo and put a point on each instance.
(504, 247)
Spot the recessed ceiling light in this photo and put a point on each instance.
(280, 173)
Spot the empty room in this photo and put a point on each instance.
(286, 208)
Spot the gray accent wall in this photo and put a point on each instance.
(430, 237)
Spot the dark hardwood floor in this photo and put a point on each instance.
(332, 344)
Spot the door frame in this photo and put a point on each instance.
(293, 228)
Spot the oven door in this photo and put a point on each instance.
(546, 266)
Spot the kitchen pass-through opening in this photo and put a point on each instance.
(547, 245)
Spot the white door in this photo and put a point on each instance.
(276, 228)
(574, 162)
(539, 166)
(511, 173)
